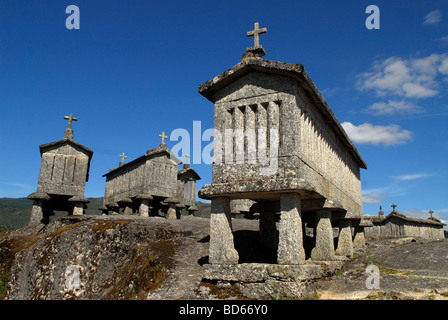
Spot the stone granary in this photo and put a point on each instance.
(151, 183)
(64, 171)
(278, 143)
(396, 225)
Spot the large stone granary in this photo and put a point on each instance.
(151, 183)
(64, 171)
(278, 144)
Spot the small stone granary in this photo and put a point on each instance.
(151, 183)
(278, 144)
(396, 225)
(64, 171)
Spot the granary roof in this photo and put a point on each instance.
(161, 149)
(189, 170)
(46, 146)
(380, 220)
(295, 71)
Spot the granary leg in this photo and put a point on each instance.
(345, 243)
(171, 213)
(324, 249)
(78, 209)
(359, 240)
(37, 213)
(143, 209)
(290, 243)
(222, 248)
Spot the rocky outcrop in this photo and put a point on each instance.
(88, 257)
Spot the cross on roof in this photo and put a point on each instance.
(393, 206)
(122, 156)
(186, 158)
(256, 34)
(70, 118)
(430, 213)
(163, 136)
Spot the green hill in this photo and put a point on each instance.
(15, 212)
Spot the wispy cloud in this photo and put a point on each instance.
(368, 133)
(393, 107)
(373, 198)
(433, 17)
(412, 78)
(412, 176)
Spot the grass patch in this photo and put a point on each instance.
(231, 291)
(101, 226)
(145, 271)
(394, 272)
(3, 284)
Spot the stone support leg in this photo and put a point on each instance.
(222, 248)
(345, 243)
(359, 240)
(171, 212)
(290, 242)
(324, 249)
(143, 210)
(127, 210)
(37, 213)
(78, 209)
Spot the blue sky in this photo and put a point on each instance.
(133, 69)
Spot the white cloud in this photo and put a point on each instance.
(370, 134)
(393, 107)
(433, 17)
(413, 78)
(412, 176)
(372, 198)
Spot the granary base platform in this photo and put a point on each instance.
(271, 281)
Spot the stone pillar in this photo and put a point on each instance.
(78, 209)
(324, 249)
(143, 209)
(37, 213)
(268, 230)
(345, 244)
(222, 248)
(290, 242)
(127, 210)
(115, 208)
(359, 240)
(171, 212)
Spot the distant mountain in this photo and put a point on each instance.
(15, 212)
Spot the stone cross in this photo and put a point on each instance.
(70, 118)
(430, 213)
(256, 34)
(186, 158)
(381, 213)
(122, 156)
(163, 136)
(394, 206)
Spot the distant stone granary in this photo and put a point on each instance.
(151, 183)
(396, 225)
(64, 171)
(283, 148)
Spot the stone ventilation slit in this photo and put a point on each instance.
(65, 167)
(52, 168)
